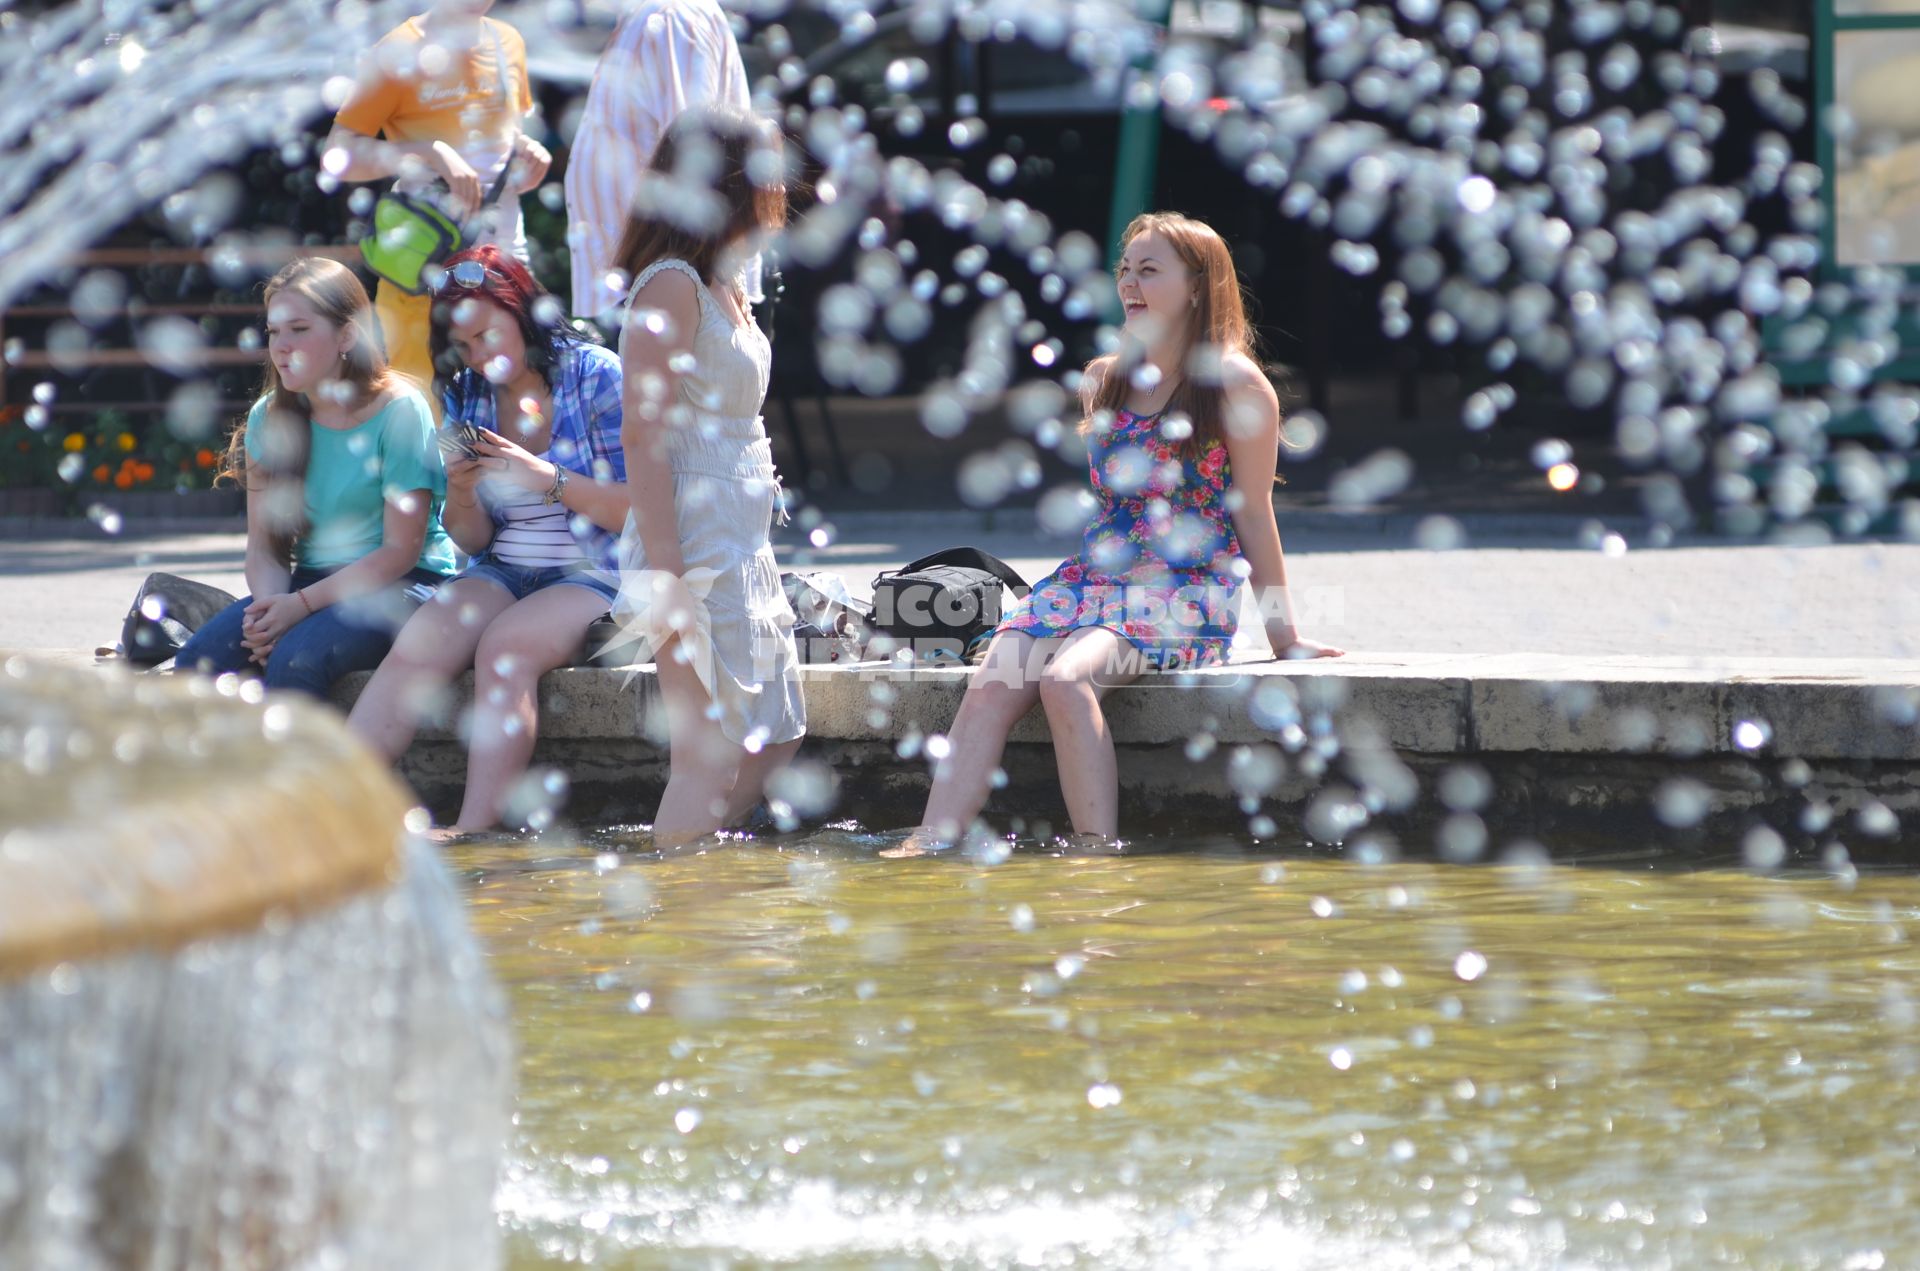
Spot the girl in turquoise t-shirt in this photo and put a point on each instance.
(344, 485)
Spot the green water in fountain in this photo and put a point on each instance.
(808, 1056)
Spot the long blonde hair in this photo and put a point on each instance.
(1219, 320)
(336, 294)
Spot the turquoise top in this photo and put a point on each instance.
(353, 472)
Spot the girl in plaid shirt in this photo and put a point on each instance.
(536, 495)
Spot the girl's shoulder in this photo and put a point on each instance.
(1239, 372)
(672, 282)
(1093, 377)
(406, 399)
(589, 376)
(405, 408)
(587, 359)
(669, 273)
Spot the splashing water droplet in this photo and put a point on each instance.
(1470, 965)
(1439, 533)
(1762, 848)
(1681, 802)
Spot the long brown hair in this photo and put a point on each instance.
(1218, 329)
(715, 177)
(336, 294)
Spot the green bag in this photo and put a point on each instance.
(407, 235)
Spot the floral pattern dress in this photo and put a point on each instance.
(1160, 563)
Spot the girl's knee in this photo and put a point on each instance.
(708, 758)
(501, 660)
(301, 670)
(994, 697)
(1070, 692)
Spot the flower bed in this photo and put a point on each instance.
(81, 460)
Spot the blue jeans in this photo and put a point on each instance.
(522, 581)
(350, 636)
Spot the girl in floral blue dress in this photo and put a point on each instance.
(1183, 434)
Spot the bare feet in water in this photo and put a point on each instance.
(920, 841)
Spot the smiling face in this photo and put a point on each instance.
(307, 349)
(487, 339)
(1157, 290)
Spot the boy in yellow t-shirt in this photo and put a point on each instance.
(440, 100)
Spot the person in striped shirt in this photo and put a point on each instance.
(665, 56)
(536, 496)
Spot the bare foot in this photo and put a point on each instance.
(920, 841)
(1300, 650)
(446, 834)
(1071, 844)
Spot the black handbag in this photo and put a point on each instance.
(941, 605)
(165, 614)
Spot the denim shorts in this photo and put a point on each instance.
(522, 581)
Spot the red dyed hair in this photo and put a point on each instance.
(510, 286)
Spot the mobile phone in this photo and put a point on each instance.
(458, 441)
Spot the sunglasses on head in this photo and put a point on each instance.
(470, 275)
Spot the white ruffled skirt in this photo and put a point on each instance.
(725, 495)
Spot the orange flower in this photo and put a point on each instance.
(126, 441)
(205, 458)
(143, 471)
(102, 474)
(123, 480)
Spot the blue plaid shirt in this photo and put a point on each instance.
(586, 429)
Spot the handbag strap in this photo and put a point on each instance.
(972, 558)
(501, 70)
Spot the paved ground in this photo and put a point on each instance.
(1528, 580)
(1524, 584)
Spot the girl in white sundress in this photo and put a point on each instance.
(699, 581)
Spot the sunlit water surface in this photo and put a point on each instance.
(798, 1053)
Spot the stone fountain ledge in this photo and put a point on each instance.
(1572, 743)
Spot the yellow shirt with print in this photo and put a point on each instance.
(414, 92)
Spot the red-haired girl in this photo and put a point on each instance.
(536, 495)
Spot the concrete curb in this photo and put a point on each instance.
(1435, 704)
(1571, 748)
